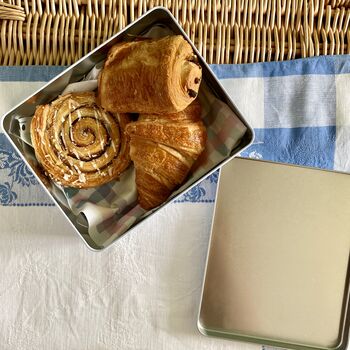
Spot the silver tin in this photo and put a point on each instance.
(157, 16)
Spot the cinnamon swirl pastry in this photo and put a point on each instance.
(77, 143)
(164, 149)
(151, 76)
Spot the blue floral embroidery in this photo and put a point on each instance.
(194, 194)
(7, 196)
(4, 159)
(21, 173)
(213, 178)
(15, 169)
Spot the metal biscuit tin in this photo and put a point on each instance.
(277, 269)
(157, 17)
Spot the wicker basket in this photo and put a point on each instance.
(59, 32)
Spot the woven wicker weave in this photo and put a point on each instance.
(229, 31)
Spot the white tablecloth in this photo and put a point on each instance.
(142, 293)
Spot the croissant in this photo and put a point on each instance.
(150, 76)
(163, 149)
(77, 143)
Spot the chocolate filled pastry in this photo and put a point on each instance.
(150, 76)
(77, 143)
(163, 149)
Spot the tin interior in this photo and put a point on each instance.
(156, 17)
(277, 269)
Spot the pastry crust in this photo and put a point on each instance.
(151, 76)
(77, 143)
(163, 149)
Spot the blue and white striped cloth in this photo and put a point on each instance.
(300, 111)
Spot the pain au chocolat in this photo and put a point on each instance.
(150, 76)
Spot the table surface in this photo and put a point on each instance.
(143, 292)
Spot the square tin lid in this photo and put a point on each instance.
(277, 266)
